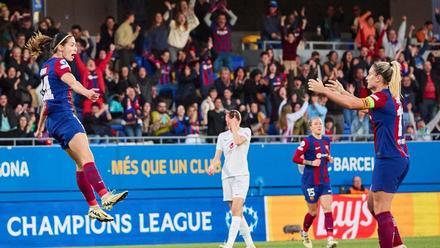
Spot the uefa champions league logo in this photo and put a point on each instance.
(249, 214)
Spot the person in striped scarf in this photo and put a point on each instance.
(207, 76)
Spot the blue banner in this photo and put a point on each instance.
(47, 224)
(40, 204)
(37, 5)
(173, 170)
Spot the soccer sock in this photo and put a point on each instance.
(86, 188)
(385, 229)
(308, 221)
(95, 179)
(329, 224)
(397, 239)
(233, 230)
(246, 233)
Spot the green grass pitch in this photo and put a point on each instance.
(425, 242)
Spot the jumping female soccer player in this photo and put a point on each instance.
(62, 123)
(392, 161)
(312, 156)
(234, 144)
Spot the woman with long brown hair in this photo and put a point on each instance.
(62, 123)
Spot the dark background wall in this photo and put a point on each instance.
(91, 13)
(250, 12)
(417, 11)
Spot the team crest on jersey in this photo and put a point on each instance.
(231, 145)
(43, 71)
(64, 64)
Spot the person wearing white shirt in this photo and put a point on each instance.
(392, 41)
(288, 118)
(234, 145)
(179, 32)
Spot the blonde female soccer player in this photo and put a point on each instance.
(234, 144)
(313, 156)
(392, 158)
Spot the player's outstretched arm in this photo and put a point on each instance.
(336, 86)
(345, 101)
(41, 122)
(76, 86)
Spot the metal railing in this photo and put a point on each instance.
(199, 139)
(314, 45)
(319, 45)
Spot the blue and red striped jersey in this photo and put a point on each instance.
(57, 95)
(310, 149)
(222, 37)
(166, 71)
(386, 114)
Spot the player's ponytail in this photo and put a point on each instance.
(390, 72)
(396, 80)
(39, 44)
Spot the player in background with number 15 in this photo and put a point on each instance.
(312, 157)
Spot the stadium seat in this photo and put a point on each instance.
(346, 131)
(237, 61)
(250, 41)
(139, 60)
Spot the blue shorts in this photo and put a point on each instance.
(62, 126)
(389, 173)
(313, 192)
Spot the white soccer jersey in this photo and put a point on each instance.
(236, 163)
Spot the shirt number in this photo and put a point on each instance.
(46, 91)
(400, 114)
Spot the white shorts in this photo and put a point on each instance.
(235, 187)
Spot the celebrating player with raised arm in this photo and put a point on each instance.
(234, 144)
(312, 156)
(62, 123)
(392, 160)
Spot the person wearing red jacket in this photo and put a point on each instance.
(372, 44)
(290, 43)
(92, 76)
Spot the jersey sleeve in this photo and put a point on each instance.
(62, 67)
(327, 142)
(302, 148)
(376, 100)
(247, 133)
(219, 145)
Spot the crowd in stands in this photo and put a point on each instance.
(182, 78)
